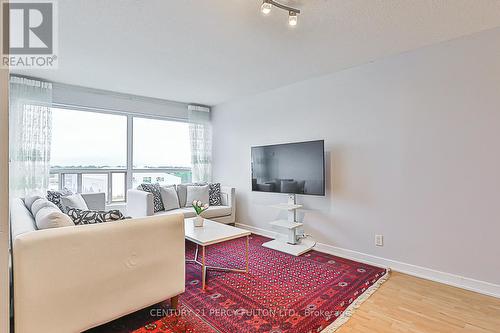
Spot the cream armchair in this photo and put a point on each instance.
(71, 279)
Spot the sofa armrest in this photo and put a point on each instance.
(227, 195)
(228, 198)
(139, 203)
(71, 279)
(95, 201)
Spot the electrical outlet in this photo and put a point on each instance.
(379, 240)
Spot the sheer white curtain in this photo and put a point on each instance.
(30, 135)
(200, 133)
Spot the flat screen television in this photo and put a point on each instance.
(292, 168)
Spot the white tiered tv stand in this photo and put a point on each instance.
(291, 242)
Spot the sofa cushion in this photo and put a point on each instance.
(74, 201)
(182, 192)
(216, 211)
(155, 190)
(28, 201)
(214, 194)
(95, 201)
(22, 220)
(51, 217)
(169, 197)
(198, 193)
(80, 217)
(41, 203)
(55, 197)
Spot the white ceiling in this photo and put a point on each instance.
(211, 51)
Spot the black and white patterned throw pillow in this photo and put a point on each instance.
(55, 197)
(155, 190)
(214, 194)
(80, 217)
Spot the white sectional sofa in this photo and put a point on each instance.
(140, 204)
(73, 278)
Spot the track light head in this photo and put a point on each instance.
(292, 18)
(266, 7)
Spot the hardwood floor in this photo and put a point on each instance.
(409, 304)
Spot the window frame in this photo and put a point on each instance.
(129, 170)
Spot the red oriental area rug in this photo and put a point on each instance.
(315, 292)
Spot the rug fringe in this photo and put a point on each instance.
(347, 314)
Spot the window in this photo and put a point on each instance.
(162, 152)
(54, 182)
(88, 149)
(89, 152)
(162, 178)
(88, 140)
(95, 183)
(161, 144)
(118, 186)
(70, 181)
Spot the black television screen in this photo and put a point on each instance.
(293, 168)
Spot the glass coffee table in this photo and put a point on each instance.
(213, 233)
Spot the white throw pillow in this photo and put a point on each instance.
(41, 203)
(50, 217)
(28, 201)
(200, 193)
(169, 197)
(74, 201)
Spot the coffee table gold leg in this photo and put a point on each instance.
(203, 271)
(196, 253)
(246, 253)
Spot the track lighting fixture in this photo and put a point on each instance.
(267, 6)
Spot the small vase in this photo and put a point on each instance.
(198, 221)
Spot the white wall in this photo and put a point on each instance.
(4, 200)
(413, 153)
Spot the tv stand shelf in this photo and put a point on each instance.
(286, 224)
(286, 206)
(294, 249)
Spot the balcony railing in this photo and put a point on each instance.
(114, 182)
